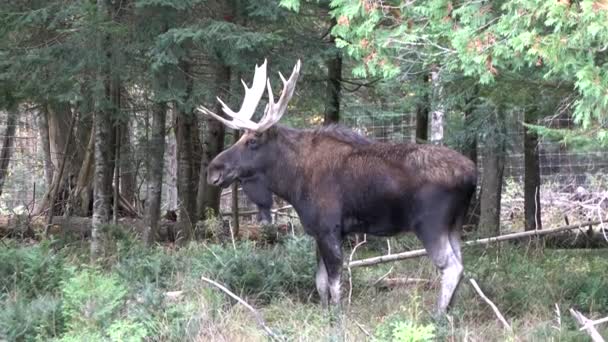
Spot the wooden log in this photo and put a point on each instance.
(486, 241)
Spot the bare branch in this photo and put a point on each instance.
(496, 311)
(585, 322)
(256, 314)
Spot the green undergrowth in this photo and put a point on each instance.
(50, 292)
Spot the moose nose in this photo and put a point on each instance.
(214, 175)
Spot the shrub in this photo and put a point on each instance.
(91, 299)
(398, 330)
(39, 319)
(262, 273)
(32, 270)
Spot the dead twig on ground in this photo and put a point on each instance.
(256, 314)
(350, 273)
(487, 300)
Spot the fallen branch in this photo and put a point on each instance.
(596, 322)
(256, 314)
(586, 323)
(396, 282)
(485, 241)
(487, 300)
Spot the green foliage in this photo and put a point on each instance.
(405, 331)
(553, 46)
(265, 273)
(22, 319)
(91, 299)
(32, 271)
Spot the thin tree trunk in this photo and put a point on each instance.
(102, 181)
(213, 143)
(43, 129)
(80, 198)
(438, 109)
(470, 151)
(171, 157)
(492, 177)
(128, 177)
(116, 195)
(532, 209)
(235, 198)
(422, 114)
(334, 85)
(7, 146)
(155, 178)
(185, 184)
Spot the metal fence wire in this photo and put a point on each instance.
(25, 183)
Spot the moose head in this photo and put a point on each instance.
(247, 159)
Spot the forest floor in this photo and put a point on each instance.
(50, 291)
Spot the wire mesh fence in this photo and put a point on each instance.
(560, 166)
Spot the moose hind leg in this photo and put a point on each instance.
(439, 248)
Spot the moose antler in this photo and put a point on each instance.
(273, 111)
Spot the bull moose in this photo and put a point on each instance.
(340, 182)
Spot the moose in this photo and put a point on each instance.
(340, 182)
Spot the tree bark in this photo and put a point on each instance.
(7, 147)
(422, 113)
(492, 177)
(128, 176)
(185, 151)
(155, 177)
(56, 186)
(104, 142)
(532, 209)
(334, 85)
(171, 175)
(213, 143)
(235, 198)
(43, 129)
(438, 109)
(80, 198)
(470, 151)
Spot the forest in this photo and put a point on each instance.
(110, 230)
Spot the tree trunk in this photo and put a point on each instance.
(213, 143)
(470, 151)
(492, 177)
(155, 178)
(7, 146)
(56, 186)
(334, 78)
(128, 176)
(422, 114)
(185, 152)
(43, 129)
(104, 144)
(438, 109)
(532, 209)
(171, 175)
(80, 198)
(235, 198)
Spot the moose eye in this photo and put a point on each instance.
(252, 143)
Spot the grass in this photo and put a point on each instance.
(50, 293)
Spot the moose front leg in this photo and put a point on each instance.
(330, 250)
